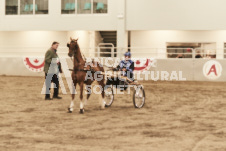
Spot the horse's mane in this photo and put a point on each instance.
(79, 53)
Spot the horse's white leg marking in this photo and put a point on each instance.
(81, 104)
(73, 97)
(71, 105)
(102, 104)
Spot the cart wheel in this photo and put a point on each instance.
(138, 97)
(109, 96)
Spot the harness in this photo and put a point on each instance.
(84, 70)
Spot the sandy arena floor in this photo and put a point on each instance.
(177, 116)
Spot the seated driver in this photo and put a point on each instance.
(127, 67)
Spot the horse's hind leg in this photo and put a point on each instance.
(88, 89)
(102, 102)
(70, 109)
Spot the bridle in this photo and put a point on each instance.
(74, 53)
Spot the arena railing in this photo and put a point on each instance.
(137, 52)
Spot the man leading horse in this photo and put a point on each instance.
(52, 68)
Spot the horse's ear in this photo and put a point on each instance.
(71, 39)
(77, 39)
(68, 45)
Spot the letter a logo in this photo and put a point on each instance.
(212, 70)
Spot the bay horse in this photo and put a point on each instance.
(79, 75)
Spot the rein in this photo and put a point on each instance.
(92, 71)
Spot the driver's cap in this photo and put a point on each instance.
(127, 54)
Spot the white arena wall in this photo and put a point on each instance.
(185, 69)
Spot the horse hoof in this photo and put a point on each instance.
(70, 110)
(102, 107)
(81, 111)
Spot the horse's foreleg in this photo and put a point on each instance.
(70, 109)
(81, 99)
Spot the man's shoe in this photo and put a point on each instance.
(57, 97)
(48, 99)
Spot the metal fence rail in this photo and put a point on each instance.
(101, 51)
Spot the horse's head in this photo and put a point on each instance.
(73, 46)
